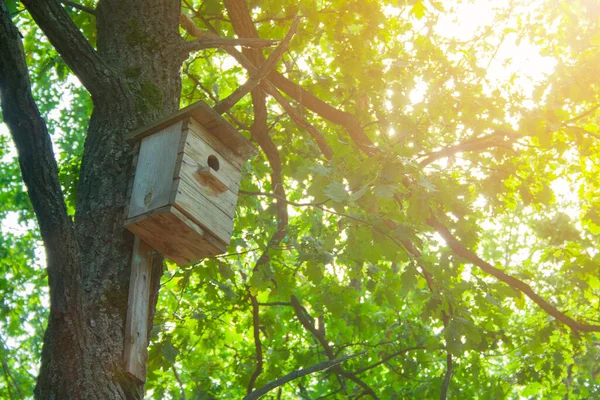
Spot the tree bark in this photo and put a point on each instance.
(133, 77)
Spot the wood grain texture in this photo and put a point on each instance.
(201, 133)
(155, 169)
(136, 325)
(225, 201)
(184, 241)
(199, 151)
(200, 210)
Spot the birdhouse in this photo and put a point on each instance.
(184, 188)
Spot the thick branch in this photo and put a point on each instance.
(297, 374)
(323, 109)
(260, 73)
(259, 129)
(272, 90)
(243, 26)
(38, 167)
(513, 282)
(73, 47)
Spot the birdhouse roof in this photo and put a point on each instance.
(209, 119)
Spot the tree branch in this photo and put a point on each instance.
(309, 326)
(178, 379)
(265, 85)
(79, 7)
(10, 380)
(244, 27)
(447, 377)
(80, 56)
(387, 358)
(39, 169)
(260, 73)
(582, 115)
(513, 282)
(496, 139)
(583, 131)
(257, 344)
(303, 317)
(220, 42)
(298, 119)
(298, 374)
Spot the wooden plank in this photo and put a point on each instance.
(193, 204)
(152, 184)
(226, 201)
(206, 116)
(174, 235)
(201, 133)
(199, 151)
(136, 325)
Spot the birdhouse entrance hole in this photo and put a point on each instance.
(213, 162)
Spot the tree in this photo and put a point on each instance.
(422, 220)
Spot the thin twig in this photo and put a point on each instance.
(387, 358)
(212, 43)
(79, 7)
(496, 139)
(178, 379)
(582, 115)
(257, 343)
(298, 374)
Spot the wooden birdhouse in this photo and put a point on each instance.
(184, 189)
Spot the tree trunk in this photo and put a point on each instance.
(82, 354)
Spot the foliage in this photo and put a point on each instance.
(505, 154)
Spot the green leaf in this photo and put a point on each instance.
(418, 10)
(385, 191)
(336, 191)
(169, 351)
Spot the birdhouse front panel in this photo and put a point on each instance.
(213, 166)
(186, 179)
(206, 184)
